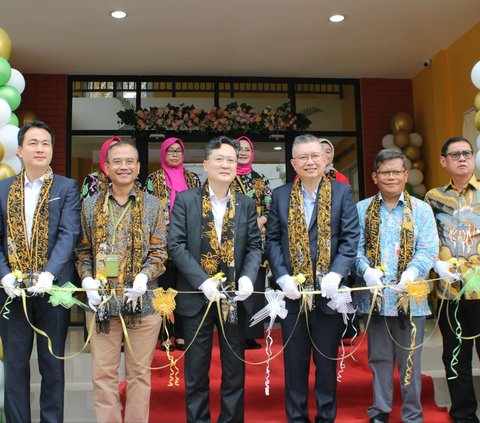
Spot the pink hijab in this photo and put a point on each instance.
(174, 176)
(245, 169)
(103, 152)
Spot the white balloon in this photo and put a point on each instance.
(5, 112)
(408, 163)
(387, 141)
(17, 80)
(416, 139)
(419, 190)
(14, 162)
(8, 137)
(477, 160)
(475, 75)
(415, 177)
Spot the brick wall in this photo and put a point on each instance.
(380, 100)
(46, 96)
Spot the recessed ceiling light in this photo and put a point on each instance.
(118, 14)
(336, 18)
(277, 147)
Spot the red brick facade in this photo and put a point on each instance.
(46, 96)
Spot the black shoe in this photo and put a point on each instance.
(179, 347)
(251, 344)
(169, 346)
(380, 418)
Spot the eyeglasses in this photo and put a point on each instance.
(388, 173)
(219, 160)
(455, 155)
(246, 149)
(119, 162)
(303, 158)
(174, 152)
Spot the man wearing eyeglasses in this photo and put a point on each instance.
(312, 230)
(214, 241)
(456, 206)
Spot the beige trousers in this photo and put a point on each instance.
(105, 349)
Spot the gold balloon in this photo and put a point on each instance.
(412, 152)
(401, 138)
(477, 120)
(26, 116)
(5, 44)
(419, 164)
(2, 152)
(476, 102)
(6, 171)
(402, 121)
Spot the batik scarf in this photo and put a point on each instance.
(298, 240)
(372, 235)
(220, 258)
(130, 265)
(28, 257)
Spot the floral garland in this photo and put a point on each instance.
(233, 118)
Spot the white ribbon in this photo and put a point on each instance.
(275, 307)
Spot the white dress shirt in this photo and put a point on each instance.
(32, 192)
(219, 208)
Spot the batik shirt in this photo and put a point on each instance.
(457, 214)
(425, 247)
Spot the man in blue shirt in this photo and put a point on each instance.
(397, 234)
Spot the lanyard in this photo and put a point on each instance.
(116, 223)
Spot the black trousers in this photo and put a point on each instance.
(197, 366)
(326, 331)
(165, 281)
(462, 394)
(257, 331)
(17, 337)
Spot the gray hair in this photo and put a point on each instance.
(388, 154)
(304, 139)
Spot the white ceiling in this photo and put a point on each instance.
(379, 38)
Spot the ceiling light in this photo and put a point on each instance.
(118, 14)
(336, 18)
(277, 147)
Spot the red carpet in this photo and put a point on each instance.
(167, 404)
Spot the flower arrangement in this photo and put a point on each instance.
(233, 118)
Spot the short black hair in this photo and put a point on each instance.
(34, 124)
(119, 144)
(217, 142)
(453, 140)
(388, 154)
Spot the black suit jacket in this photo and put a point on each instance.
(63, 228)
(184, 247)
(344, 236)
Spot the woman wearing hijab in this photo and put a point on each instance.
(93, 182)
(330, 171)
(256, 186)
(165, 183)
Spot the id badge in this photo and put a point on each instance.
(111, 265)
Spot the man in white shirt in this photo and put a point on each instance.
(40, 224)
(213, 229)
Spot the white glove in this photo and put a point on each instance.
(138, 288)
(373, 277)
(92, 285)
(210, 289)
(9, 282)
(44, 283)
(289, 287)
(407, 276)
(329, 284)
(245, 288)
(443, 270)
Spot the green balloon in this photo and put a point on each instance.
(13, 120)
(5, 71)
(11, 96)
